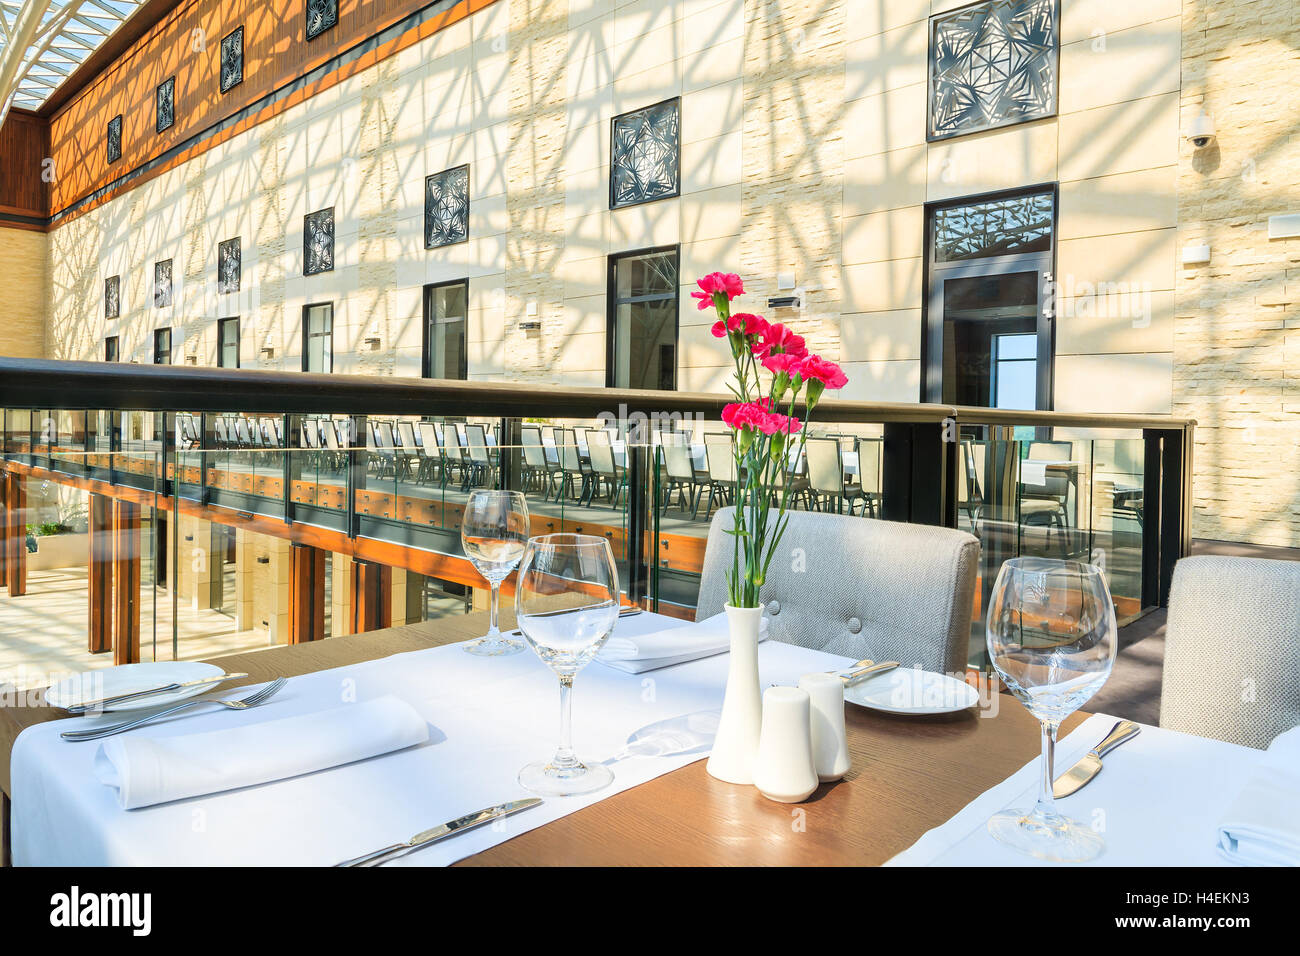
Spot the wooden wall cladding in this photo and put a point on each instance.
(186, 43)
(24, 145)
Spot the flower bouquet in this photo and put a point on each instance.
(774, 373)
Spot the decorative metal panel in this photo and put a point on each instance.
(115, 138)
(112, 297)
(321, 15)
(318, 242)
(162, 284)
(228, 266)
(232, 60)
(166, 98)
(992, 65)
(999, 227)
(645, 160)
(446, 207)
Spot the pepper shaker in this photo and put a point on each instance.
(830, 743)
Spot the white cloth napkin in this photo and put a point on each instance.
(675, 645)
(1262, 826)
(150, 770)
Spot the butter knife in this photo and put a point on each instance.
(856, 676)
(103, 702)
(444, 830)
(1087, 768)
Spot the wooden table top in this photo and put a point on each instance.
(909, 774)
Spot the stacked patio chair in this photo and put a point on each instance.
(720, 465)
(607, 479)
(826, 482)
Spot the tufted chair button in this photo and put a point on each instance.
(774, 608)
(855, 626)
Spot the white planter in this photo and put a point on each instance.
(735, 746)
(59, 551)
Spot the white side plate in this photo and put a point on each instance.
(907, 690)
(127, 678)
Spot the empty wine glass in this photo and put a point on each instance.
(493, 533)
(566, 603)
(1051, 638)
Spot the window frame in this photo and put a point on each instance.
(158, 335)
(112, 343)
(426, 350)
(612, 303)
(222, 326)
(306, 335)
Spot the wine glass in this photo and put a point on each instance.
(493, 533)
(1051, 638)
(566, 603)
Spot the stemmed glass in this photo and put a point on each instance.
(1051, 638)
(493, 533)
(566, 603)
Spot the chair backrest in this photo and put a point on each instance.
(270, 434)
(476, 439)
(310, 433)
(972, 467)
(857, 592)
(451, 441)
(825, 472)
(534, 453)
(430, 438)
(406, 435)
(678, 461)
(1232, 649)
(219, 426)
(241, 432)
(566, 443)
(1050, 450)
(331, 435)
(602, 453)
(869, 464)
(719, 456)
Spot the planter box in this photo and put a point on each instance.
(60, 551)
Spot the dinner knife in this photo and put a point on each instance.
(856, 676)
(1087, 768)
(468, 822)
(136, 695)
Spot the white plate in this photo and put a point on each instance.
(908, 690)
(127, 678)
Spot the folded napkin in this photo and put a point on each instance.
(1262, 827)
(674, 645)
(149, 770)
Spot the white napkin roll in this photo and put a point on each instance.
(673, 645)
(149, 770)
(1262, 827)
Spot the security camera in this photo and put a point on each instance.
(1201, 132)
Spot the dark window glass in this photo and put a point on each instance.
(165, 99)
(643, 321)
(112, 297)
(162, 284)
(115, 138)
(228, 266)
(992, 64)
(446, 207)
(162, 347)
(446, 312)
(318, 338)
(110, 349)
(321, 15)
(228, 343)
(318, 242)
(999, 227)
(232, 59)
(645, 155)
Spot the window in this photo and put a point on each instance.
(642, 333)
(228, 343)
(318, 242)
(112, 297)
(165, 100)
(1015, 358)
(991, 65)
(997, 227)
(232, 59)
(162, 284)
(318, 338)
(110, 349)
(321, 15)
(115, 138)
(228, 266)
(162, 347)
(446, 207)
(446, 312)
(645, 155)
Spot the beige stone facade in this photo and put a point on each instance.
(804, 152)
(24, 257)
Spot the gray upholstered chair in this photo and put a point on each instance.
(867, 588)
(1232, 649)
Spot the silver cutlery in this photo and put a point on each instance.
(865, 662)
(626, 612)
(1087, 768)
(103, 702)
(460, 825)
(858, 676)
(252, 700)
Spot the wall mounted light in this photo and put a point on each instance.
(1284, 227)
(191, 360)
(268, 352)
(1196, 253)
(373, 343)
(530, 322)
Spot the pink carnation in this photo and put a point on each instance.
(726, 283)
(742, 322)
(818, 369)
(756, 416)
(778, 340)
(787, 362)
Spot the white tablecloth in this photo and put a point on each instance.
(1159, 800)
(489, 717)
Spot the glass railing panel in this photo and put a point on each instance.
(1117, 513)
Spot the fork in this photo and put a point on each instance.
(252, 700)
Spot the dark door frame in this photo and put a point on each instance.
(612, 303)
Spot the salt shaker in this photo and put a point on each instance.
(830, 744)
(783, 768)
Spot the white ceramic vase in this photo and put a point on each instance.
(734, 748)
